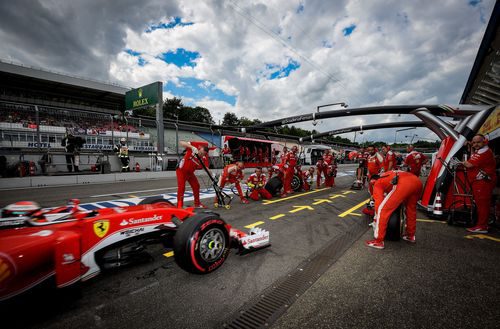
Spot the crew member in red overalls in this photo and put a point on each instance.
(308, 178)
(290, 161)
(389, 158)
(329, 168)
(233, 174)
(482, 177)
(415, 160)
(256, 182)
(320, 165)
(362, 167)
(185, 172)
(374, 164)
(392, 189)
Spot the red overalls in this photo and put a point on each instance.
(233, 177)
(328, 170)
(185, 172)
(414, 160)
(407, 191)
(289, 167)
(482, 177)
(257, 184)
(374, 164)
(389, 157)
(307, 180)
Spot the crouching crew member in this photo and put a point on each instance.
(482, 177)
(256, 182)
(233, 174)
(185, 172)
(392, 189)
(308, 179)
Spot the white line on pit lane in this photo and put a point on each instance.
(132, 192)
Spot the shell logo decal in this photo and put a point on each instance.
(101, 227)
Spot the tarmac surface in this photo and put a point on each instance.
(448, 279)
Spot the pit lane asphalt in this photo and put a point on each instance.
(159, 294)
(429, 284)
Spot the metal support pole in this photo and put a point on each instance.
(159, 119)
(37, 121)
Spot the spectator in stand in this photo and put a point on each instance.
(415, 160)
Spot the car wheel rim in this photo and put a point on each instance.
(212, 244)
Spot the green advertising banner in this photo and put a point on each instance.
(148, 95)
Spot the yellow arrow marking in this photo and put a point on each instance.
(277, 216)
(348, 192)
(318, 201)
(168, 254)
(299, 208)
(334, 196)
(254, 224)
(349, 211)
(431, 221)
(481, 236)
(266, 202)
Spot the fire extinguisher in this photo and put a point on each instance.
(32, 168)
(137, 167)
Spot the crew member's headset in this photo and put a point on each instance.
(394, 180)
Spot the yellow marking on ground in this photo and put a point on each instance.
(318, 201)
(355, 214)
(299, 208)
(266, 202)
(254, 224)
(334, 196)
(430, 221)
(277, 216)
(348, 192)
(168, 254)
(132, 196)
(349, 211)
(481, 236)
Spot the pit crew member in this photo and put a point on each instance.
(374, 163)
(290, 161)
(256, 182)
(308, 178)
(482, 176)
(392, 189)
(233, 174)
(330, 168)
(389, 158)
(185, 172)
(415, 160)
(362, 168)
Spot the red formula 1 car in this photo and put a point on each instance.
(72, 245)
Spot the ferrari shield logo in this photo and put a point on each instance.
(101, 227)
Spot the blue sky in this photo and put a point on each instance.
(196, 89)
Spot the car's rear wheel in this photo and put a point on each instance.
(296, 183)
(397, 225)
(201, 244)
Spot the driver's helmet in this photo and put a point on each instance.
(21, 208)
(123, 140)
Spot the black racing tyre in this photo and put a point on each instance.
(296, 183)
(396, 225)
(274, 185)
(156, 200)
(201, 244)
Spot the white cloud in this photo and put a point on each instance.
(400, 52)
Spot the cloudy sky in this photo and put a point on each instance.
(260, 59)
